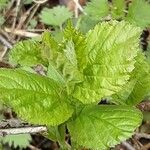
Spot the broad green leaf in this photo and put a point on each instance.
(27, 53)
(118, 9)
(112, 48)
(138, 86)
(55, 16)
(141, 89)
(141, 67)
(78, 52)
(101, 127)
(97, 9)
(20, 140)
(34, 98)
(139, 13)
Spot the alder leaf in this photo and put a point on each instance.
(112, 48)
(27, 53)
(36, 99)
(104, 126)
(138, 86)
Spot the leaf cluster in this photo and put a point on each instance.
(80, 71)
(136, 12)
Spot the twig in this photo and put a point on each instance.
(3, 53)
(32, 14)
(22, 130)
(24, 17)
(128, 146)
(33, 147)
(79, 6)
(37, 30)
(16, 14)
(146, 147)
(6, 35)
(142, 135)
(76, 8)
(21, 33)
(40, 1)
(5, 42)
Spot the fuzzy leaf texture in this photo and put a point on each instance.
(34, 98)
(64, 58)
(27, 53)
(20, 140)
(112, 48)
(142, 87)
(139, 13)
(79, 41)
(138, 86)
(118, 8)
(97, 9)
(55, 16)
(102, 127)
(140, 67)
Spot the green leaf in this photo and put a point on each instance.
(138, 86)
(78, 52)
(20, 140)
(27, 53)
(139, 13)
(34, 98)
(140, 68)
(63, 60)
(112, 48)
(56, 16)
(57, 134)
(141, 89)
(118, 9)
(97, 9)
(104, 126)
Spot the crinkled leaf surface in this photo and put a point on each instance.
(139, 13)
(101, 127)
(138, 86)
(140, 69)
(27, 53)
(112, 48)
(35, 98)
(141, 88)
(65, 61)
(79, 41)
(55, 16)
